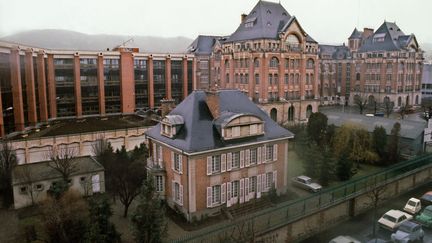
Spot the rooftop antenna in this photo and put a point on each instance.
(127, 41)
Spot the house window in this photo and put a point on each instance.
(177, 162)
(252, 183)
(23, 190)
(176, 192)
(253, 156)
(236, 131)
(39, 187)
(253, 129)
(159, 183)
(216, 194)
(216, 163)
(236, 160)
(82, 179)
(269, 180)
(269, 152)
(235, 188)
(257, 79)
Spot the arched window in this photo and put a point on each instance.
(310, 64)
(227, 79)
(274, 62)
(291, 113)
(256, 62)
(273, 114)
(292, 40)
(308, 111)
(226, 63)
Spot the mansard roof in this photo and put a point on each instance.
(334, 51)
(267, 20)
(199, 132)
(392, 39)
(203, 44)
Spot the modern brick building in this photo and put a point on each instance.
(270, 57)
(427, 81)
(217, 149)
(39, 85)
(380, 65)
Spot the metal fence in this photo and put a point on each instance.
(248, 227)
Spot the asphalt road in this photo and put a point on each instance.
(360, 227)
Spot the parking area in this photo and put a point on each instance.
(361, 226)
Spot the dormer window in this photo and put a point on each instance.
(234, 125)
(171, 125)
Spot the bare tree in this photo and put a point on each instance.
(361, 102)
(62, 159)
(8, 161)
(388, 107)
(25, 174)
(375, 194)
(100, 146)
(403, 110)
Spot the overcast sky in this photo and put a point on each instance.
(328, 21)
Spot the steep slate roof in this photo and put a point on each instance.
(203, 44)
(199, 132)
(409, 129)
(336, 52)
(269, 18)
(394, 39)
(356, 34)
(40, 171)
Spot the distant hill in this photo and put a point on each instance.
(71, 40)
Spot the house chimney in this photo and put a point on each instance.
(243, 17)
(212, 101)
(367, 32)
(167, 105)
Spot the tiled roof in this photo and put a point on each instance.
(199, 132)
(40, 171)
(203, 44)
(409, 129)
(388, 37)
(266, 18)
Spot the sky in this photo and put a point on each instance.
(327, 21)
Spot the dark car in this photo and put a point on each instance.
(426, 199)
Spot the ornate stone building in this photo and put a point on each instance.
(380, 65)
(270, 57)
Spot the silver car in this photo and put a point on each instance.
(306, 183)
(408, 232)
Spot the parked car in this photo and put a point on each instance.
(344, 239)
(425, 217)
(408, 232)
(306, 183)
(426, 199)
(413, 206)
(393, 218)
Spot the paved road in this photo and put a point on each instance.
(360, 227)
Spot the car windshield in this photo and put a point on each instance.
(411, 203)
(405, 228)
(389, 218)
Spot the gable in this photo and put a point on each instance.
(293, 28)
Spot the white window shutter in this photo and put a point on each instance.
(173, 191)
(242, 159)
(275, 179)
(228, 200)
(172, 161)
(247, 157)
(160, 154)
(259, 155)
(209, 197)
(241, 190)
(229, 161)
(246, 192)
(264, 182)
(181, 164)
(264, 155)
(209, 165)
(275, 152)
(154, 155)
(223, 162)
(258, 186)
(181, 194)
(223, 193)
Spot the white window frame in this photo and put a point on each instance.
(159, 183)
(235, 160)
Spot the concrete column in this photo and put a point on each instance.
(168, 84)
(101, 84)
(127, 82)
(30, 85)
(194, 71)
(18, 107)
(41, 88)
(150, 81)
(77, 86)
(51, 87)
(185, 78)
